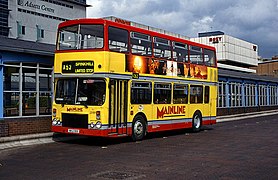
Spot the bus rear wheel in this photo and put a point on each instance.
(196, 122)
(138, 128)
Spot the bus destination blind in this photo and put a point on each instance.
(78, 67)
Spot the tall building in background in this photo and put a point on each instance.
(37, 20)
(27, 43)
(232, 53)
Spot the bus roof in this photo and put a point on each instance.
(132, 26)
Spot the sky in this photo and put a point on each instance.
(255, 21)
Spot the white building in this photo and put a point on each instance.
(37, 20)
(28, 31)
(232, 53)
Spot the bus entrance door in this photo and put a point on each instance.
(118, 106)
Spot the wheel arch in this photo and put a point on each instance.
(145, 118)
(197, 128)
(198, 112)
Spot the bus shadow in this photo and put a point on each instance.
(108, 141)
(89, 141)
(172, 133)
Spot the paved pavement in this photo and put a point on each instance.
(42, 138)
(246, 149)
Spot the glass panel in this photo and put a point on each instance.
(141, 44)
(118, 39)
(87, 37)
(45, 104)
(162, 93)
(91, 36)
(209, 57)
(28, 103)
(11, 104)
(180, 52)
(65, 91)
(196, 94)
(196, 55)
(11, 78)
(45, 80)
(180, 94)
(141, 93)
(29, 79)
(162, 48)
(206, 94)
(68, 38)
(91, 92)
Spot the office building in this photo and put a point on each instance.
(28, 35)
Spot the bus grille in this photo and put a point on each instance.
(75, 120)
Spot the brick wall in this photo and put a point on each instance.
(239, 110)
(4, 129)
(20, 126)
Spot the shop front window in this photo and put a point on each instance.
(27, 90)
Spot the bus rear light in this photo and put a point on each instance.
(98, 115)
(54, 112)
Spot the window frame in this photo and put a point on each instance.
(145, 91)
(148, 39)
(160, 92)
(117, 48)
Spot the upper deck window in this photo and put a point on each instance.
(180, 52)
(162, 48)
(196, 55)
(210, 59)
(81, 37)
(141, 44)
(118, 39)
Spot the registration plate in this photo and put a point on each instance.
(73, 131)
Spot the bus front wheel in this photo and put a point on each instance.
(138, 128)
(196, 122)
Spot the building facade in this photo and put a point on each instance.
(37, 20)
(27, 47)
(267, 68)
(27, 44)
(241, 92)
(232, 53)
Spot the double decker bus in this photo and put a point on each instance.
(114, 79)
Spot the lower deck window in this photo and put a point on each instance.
(196, 94)
(141, 93)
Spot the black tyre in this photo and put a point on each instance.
(138, 128)
(196, 122)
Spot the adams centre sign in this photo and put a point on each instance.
(35, 5)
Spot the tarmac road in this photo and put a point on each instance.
(244, 149)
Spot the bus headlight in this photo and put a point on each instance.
(59, 123)
(54, 122)
(98, 125)
(92, 125)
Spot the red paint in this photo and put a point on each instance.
(215, 39)
(169, 110)
(74, 109)
(111, 132)
(122, 21)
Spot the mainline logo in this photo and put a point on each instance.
(170, 110)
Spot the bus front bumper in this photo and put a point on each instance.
(79, 131)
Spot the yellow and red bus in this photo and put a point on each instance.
(114, 79)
